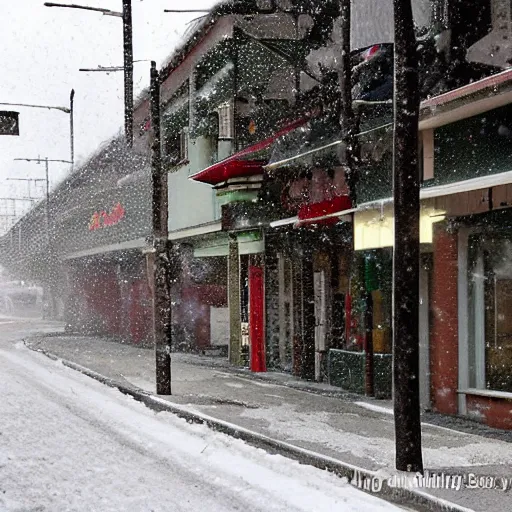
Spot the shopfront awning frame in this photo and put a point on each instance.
(467, 101)
(240, 164)
(459, 187)
(292, 159)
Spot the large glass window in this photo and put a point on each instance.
(490, 313)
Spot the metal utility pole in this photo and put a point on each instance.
(50, 277)
(406, 192)
(161, 263)
(71, 128)
(126, 16)
(47, 178)
(347, 113)
(128, 71)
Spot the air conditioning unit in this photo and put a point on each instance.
(226, 121)
(495, 49)
(265, 5)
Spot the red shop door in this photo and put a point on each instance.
(256, 320)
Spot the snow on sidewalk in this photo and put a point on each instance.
(331, 426)
(71, 444)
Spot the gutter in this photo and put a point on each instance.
(466, 90)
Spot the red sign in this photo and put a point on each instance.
(103, 219)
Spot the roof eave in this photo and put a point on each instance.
(487, 94)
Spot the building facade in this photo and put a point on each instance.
(280, 261)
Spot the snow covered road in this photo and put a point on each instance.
(68, 443)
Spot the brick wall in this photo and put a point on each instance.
(444, 338)
(495, 412)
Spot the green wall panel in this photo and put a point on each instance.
(347, 371)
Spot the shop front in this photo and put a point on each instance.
(101, 237)
(364, 364)
(308, 270)
(199, 292)
(237, 182)
(484, 259)
(108, 294)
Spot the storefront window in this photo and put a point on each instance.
(490, 313)
(372, 273)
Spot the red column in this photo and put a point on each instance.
(256, 320)
(444, 339)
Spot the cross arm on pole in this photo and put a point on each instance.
(104, 70)
(24, 179)
(42, 160)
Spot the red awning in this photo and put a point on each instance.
(316, 213)
(240, 164)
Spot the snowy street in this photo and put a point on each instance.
(68, 443)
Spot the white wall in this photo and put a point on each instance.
(190, 203)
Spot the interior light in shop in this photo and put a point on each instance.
(375, 229)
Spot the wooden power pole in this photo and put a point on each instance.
(161, 261)
(406, 192)
(347, 112)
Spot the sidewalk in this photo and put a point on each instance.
(329, 422)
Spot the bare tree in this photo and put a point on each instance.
(406, 183)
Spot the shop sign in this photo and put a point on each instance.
(318, 189)
(103, 219)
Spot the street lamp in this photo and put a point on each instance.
(66, 110)
(126, 16)
(110, 69)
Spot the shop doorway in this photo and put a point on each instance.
(320, 290)
(286, 316)
(256, 319)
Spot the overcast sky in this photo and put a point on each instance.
(41, 51)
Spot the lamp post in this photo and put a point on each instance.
(51, 279)
(126, 16)
(66, 110)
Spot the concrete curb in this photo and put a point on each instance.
(420, 500)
